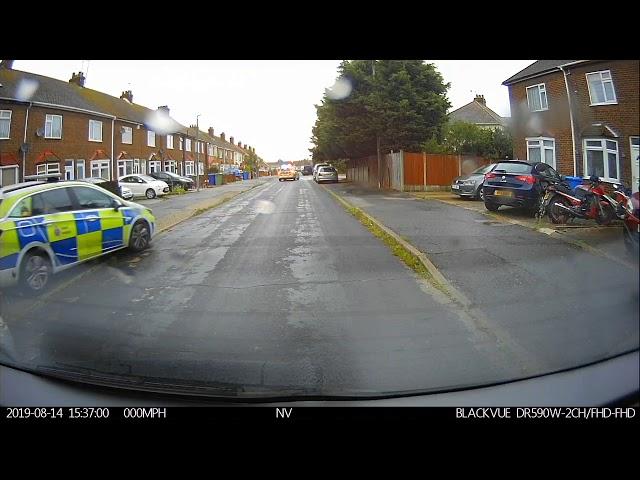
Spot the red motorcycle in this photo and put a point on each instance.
(628, 210)
(588, 201)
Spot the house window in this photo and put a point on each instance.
(53, 126)
(127, 135)
(136, 166)
(188, 167)
(188, 145)
(5, 124)
(68, 170)
(8, 176)
(602, 159)
(46, 168)
(95, 131)
(210, 150)
(151, 139)
(601, 91)
(143, 167)
(200, 168)
(80, 169)
(541, 149)
(125, 167)
(537, 98)
(170, 141)
(181, 146)
(154, 166)
(100, 169)
(170, 166)
(220, 153)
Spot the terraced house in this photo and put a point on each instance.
(48, 126)
(580, 116)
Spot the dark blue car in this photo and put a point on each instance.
(517, 184)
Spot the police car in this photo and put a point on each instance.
(48, 227)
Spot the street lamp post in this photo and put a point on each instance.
(197, 154)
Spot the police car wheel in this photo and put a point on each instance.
(35, 272)
(140, 236)
(150, 193)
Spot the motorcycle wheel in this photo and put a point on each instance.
(607, 216)
(556, 214)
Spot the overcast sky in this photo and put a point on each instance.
(267, 104)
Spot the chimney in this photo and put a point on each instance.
(8, 64)
(239, 143)
(222, 136)
(78, 79)
(231, 140)
(127, 95)
(162, 108)
(480, 99)
(211, 131)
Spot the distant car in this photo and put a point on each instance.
(307, 170)
(471, 185)
(287, 174)
(48, 227)
(326, 174)
(173, 180)
(144, 185)
(516, 183)
(109, 185)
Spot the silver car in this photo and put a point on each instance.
(471, 185)
(327, 174)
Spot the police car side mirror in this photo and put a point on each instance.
(117, 205)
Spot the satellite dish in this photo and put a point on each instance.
(40, 132)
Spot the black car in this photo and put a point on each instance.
(517, 184)
(172, 180)
(307, 170)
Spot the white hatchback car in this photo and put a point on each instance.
(144, 185)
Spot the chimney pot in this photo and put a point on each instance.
(222, 135)
(127, 95)
(161, 108)
(211, 131)
(231, 140)
(480, 99)
(78, 79)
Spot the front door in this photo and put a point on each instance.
(635, 160)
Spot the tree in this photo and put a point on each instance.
(403, 103)
(464, 138)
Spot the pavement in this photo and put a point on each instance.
(281, 291)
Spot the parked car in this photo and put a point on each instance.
(317, 166)
(307, 170)
(173, 180)
(144, 185)
(517, 184)
(471, 185)
(327, 174)
(111, 186)
(48, 227)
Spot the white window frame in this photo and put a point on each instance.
(91, 124)
(540, 87)
(605, 157)
(136, 166)
(170, 142)
(49, 121)
(101, 165)
(4, 117)
(71, 169)
(154, 166)
(188, 145)
(200, 168)
(3, 171)
(613, 88)
(188, 167)
(151, 140)
(80, 166)
(209, 149)
(170, 166)
(49, 167)
(181, 144)
(143, 166)
(123, 167)
(542, 148)
(122, 138)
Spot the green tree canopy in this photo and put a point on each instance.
(403, 103)
(464, 138)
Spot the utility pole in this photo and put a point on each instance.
(373, 69)
(197, 154)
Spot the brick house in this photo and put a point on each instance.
(580, 116)
(479, 114)
(48, 126)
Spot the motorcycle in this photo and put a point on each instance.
(628, 210)
(588, 201)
